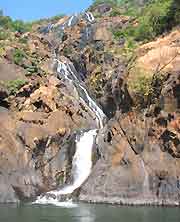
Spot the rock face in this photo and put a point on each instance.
(10, 71)
(135, 153)
(36, 152)
(164, 52)
(36, 138)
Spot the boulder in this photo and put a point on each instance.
(10, 71)
(103, 8)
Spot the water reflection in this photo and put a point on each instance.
(84, 213)
(87, 213)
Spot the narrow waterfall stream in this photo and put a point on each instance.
(69, 73)
(82, 160)
(146, 188)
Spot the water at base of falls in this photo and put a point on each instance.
(81, 168)
(50, 201)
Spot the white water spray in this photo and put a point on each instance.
(81, 168)
(89, 17)
(70, 20)
(82, 163)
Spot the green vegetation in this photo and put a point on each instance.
(145, 86)
(31, 70)
(129, 6)
(20, 26)
(67, 51)
(8, 24)
(48, 20)
(18, 56)
(23, 40)
(1, 50)
(112, 2)
(141, 85)
(14, 85)
(3, 35)
(153, 19)
(26, 61)
(115, 12)
(96, 82)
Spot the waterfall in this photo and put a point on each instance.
(70, 22)
(81, 165)
(90, 17)
(81, 168)
(68, 71)
(82, 160)
(73, 20)
(146, 179)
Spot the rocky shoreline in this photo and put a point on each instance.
(130, 201)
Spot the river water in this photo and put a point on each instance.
(87, 213)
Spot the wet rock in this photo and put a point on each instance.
(170, 93)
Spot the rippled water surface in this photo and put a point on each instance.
(87, 213)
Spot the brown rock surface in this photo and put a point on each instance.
(36, 143)
(9, 71)
(163, 52)
(30, 147)
(134, 169)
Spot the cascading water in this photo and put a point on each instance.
(70, 22)
(89, 16)
(146, 179)
(81, 168)
(68, 71)
(82, 163)
(82, 160)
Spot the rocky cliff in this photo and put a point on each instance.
(137, 84)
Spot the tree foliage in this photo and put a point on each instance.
(155, 18)
(7, 23)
